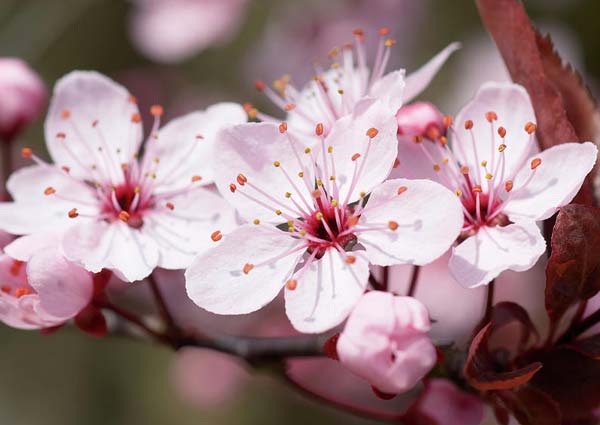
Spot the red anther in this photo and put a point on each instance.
(216, 236)
(20, 292)
(136, 118)
(383, 31)
(291, 284)
(433, 132)
(156, 110)
(396, 163)
(247, 268)
(501, 131)
(447, 121)
(468, 124)
(535, 163)
(241, 179)
(359, 32)
(49, 190)
(73, 213)
(94, 123)
(355, 156)
(508, 185)
(491, 116)
(464, 170)
(290, 107)
(282, 127)
(196, 179)
(132, 99)
(65, 114)
(61, 135)
(319, 129)
(477, 189)
(5, 289)
(530, 127)
(232, 188)
(401, 190)
(170, 206)
(392, 225)
(260, 85)
(199, 136)
(350, 259)
(26, 153)
(372, 132)
(16, 267)
(66, 169)
(124, 216)
(247, 107)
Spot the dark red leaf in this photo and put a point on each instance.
(588, 346)
(507, 312)
(52, 330)
(91, 321)
(573, 271)
(531, 406)
(553, 89)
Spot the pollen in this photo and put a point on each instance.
(256, 221)
(73, 213)
(392, 225)
(291, 284)
(66, 114)
(319, 129)
(436, 167)
(277, 164)
(241, 179)
(372, 132)
(350, 259)
(21, 292)
(288, 194)
(49, 190)
(247, 268)
(489, 176)
(195, 178)
(216, 236)
(136, 118)
(491, 116)
(502, 147)
(156, 110)
(26, 153)
(468, 125)
(401, 190)
(232, 188)
(278, 212)
(124, 216)
(501, 132)
(282, 127)
(307, 150)
(508, 185)
(458, 192)
(536, 162)
(355, 156)
(530, 127)
(170, 206)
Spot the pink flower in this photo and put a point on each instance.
(505, 186)
(336, 92)
(385, 342)
(109, 208)
(45, 292)
(176, 30)
(315, 231)
(445, 404)
(420, 119)
(23, 96)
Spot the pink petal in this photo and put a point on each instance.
(446, 404)
(185, 145)
(216, 280)
(252, 149)
(24, 247)
(413, 163)
(429, 219)
(326, 292)
(556, 181)
(513, 107)
(349, 137)
(390, 89)
(418, 80)
(482, 257)
(80, 99)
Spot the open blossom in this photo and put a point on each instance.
(314, 229)
(385, 342)
(45, 292)
(108, 207)
(504, 184)
(335, 92)
(23, 96)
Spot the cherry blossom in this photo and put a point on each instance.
(319, 214)
(335, 92)
(385, 342)
(45, 292)
(504, 183)
(108, 207)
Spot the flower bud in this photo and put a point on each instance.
(420, 119)
(385, 342)
(23, 96)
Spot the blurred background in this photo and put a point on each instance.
(187, 54)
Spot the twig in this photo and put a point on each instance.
(173, 331)
(132, 318)
(581, 327)
(414, 279)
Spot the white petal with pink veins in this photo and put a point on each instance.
(554, 183)
(428, 218)
(390, 89)
(482, 257)
(244, 271)
(89, 123)
(326, 292)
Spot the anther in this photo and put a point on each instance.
(508, 185)
(530, 127)
(436, 167)
(232, 188)
(20, 292)
(464, 170)
(316, 193)
(66, 114)
(5, 289)
(535, 163)
(170, 206)
(241, 179)
(319, 129)
(256, 221)
(447, 121)
(502, 147)
(260, 85)
(501, 131)
(443, 140)
(73, 213)
(401, 190)
(288, 195)
(49, 190)
(352, 220)
(277, 164)
(329, 149)
(319, 215)
(350, 259)
(132, 99)
(65, 169)
(390, 42)
(282, 127)
(392, 225)
(489, 176)
(468, 125)
(477, 189)
(396, 163)
(491, 116)
(484, 163)
(372, 132)
(199, 136)
(417, 138)
(290, 107)
(26, 153)
(216, 236)
(156, 110)
(94, 123)
(355, 156)
(124, 216)
(291, 284)
(278, 212)
(136, 118)
(458, 192)
(247, 268)
(196, 179)
(307, 150)
(383, 31)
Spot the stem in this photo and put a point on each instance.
(489, 304)
(7, 163)
(579, 328)
(386, 278)
(414, 279)
(132, 318)
(172, 329)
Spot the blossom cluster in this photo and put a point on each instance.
(351, 179)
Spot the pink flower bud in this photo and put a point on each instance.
(385, 342)
(23, 97)
(421, 119)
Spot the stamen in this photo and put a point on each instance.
(291, 284)
(73, 213)
(247, 268)
(216, 236)
(536, 162)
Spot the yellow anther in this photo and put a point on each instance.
(484, 163)
(277, 163)
(319, 215)
(458, 192)
(307, 150)
(488, 176)
(288, 194)
(300, 174)
(256, 221)
(278, 212)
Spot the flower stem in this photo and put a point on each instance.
(132, 318)
(414, 280)
(173, 331)
(579, 328)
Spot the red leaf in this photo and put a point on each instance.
(573, 271)
(91, 321)
(588, 346)
(52, 330)
(531, 406)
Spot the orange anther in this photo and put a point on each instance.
(232, 188)
(389, 42)
(73, 213)
(132, 99)
(352, 220)
(396, 163)
(468, 125)
(530, 127)
(319, 129)
(170, 206)
(61, 135)
(20, 292)
(196, 179)
(136, 118)
(447, 121)
(124, 216)
(501, 131)
(350, 259)
(5, 289)
(290, 107)
(199, 136)
(491, 116)
(372, 132)
(247, 268)
(464, 170)
(535, 163)
(283, 127)
(291, 284)
(65, 169)
(392, 225)
(355, 156)
(401, 190)
(216, 236)
(260, 85)
(477, 189)
(49, 190)
(65, 114)
(241, 179)
(502, 147)
(26, 152)
(508, 185)
(316, 193)
(443, 140)
(156, 110)
(383, 31)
